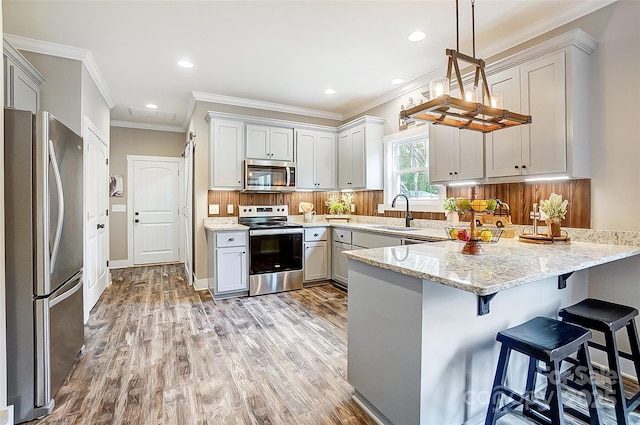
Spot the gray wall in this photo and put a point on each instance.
(94, 106)
(128, 141)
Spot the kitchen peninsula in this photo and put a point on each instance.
(421, 351)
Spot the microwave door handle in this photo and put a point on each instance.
(288, 176)
(58, 179)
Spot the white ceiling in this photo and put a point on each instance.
(284, 52)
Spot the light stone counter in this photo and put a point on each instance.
(221, 225)
(505, 265)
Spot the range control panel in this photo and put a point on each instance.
(263, 210)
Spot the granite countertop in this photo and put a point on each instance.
(505, 265)
(216, 226)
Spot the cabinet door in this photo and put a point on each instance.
(504, 147)
(21, 91)
(544, 141)
(316, 257)
(305, 146)
(226, 158)
(344, 160)
(325, 161)
(441, 151)
(340, 263)
(469, 155)
(357, 158)
(258, 141)
(281, 144)
(231, 269)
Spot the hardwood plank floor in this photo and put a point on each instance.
(158, 352)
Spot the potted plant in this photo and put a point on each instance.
(339, 203)
(555, 209)
(451, 210)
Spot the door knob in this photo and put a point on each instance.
(100, 226)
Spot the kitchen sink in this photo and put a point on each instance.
(396, 228)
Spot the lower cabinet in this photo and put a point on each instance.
(340, 263)
(228, 268)
(316, 254)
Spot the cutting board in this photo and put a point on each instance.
(544, 239)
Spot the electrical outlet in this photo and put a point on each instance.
(353, 208)
(229, 208)
(214, 209)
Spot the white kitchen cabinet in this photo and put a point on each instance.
(273, 143)
(226, 150)
(228, 269)
(22, 81)
(360, 154)
(455, 154)
(554, 89)
(316, 159)
(372, 240)
(316, 254)
(340, 263)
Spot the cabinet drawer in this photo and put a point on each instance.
(315, 234)
(341, 235)
(370, 240)
(231, 239)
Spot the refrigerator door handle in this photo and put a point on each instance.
(56, 299)
(56, 174)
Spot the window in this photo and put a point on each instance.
(407, 170)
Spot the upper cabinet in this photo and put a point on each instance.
(226, 150)
(553, 88)
(274, 143)
(455, 154)
(22, 81)
(360, 154)
(316, 154)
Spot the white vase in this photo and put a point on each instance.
(453, 217)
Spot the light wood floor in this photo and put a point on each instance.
(158, 352)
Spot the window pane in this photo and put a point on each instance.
(411, 155)
(416, 185)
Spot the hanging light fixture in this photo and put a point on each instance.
(466, 112)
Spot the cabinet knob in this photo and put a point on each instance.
(239, 181)
(450, 173)
(516, 167)
(315, 235)
(232, 239)
(524, 166)
(456, 173)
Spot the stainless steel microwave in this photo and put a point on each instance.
(269, 176)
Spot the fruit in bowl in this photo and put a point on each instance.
(453, 233)
(463, 204)
(463, 235)
(491, 204)
(486, 235)
(479, 205)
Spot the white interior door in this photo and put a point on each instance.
(96, 195)
(156, 204)
(187, 216)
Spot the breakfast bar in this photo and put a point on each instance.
(423, 320)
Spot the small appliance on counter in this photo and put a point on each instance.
(275, 249)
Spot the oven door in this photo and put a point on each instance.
(275, 250)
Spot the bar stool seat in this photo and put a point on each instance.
(608, 318)
(550, 341)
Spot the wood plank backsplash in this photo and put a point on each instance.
(519, 196)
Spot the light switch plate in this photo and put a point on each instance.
(353, 208)
(119, 207)
(214, 209)
(229, 208)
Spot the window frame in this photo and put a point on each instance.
(389, 191)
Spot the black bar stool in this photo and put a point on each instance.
(550, 341)
(608, 318)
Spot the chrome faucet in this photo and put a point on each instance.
(408, 218)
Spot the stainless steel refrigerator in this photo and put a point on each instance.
(44, 258)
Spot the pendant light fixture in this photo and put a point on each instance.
(466, 112)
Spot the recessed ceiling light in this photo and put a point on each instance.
(185, 64)
(416, 36)
(151, 106)
(396, 81)
(329, 91)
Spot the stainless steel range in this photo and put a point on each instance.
(275, 249)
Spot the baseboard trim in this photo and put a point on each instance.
(200, 284)
(119, 264)
(369, 409)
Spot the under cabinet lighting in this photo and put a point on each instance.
(546, 179)
(463, 184)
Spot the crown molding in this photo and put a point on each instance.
(189, 113)
(146, 126)
(68, 52)
(527, 34)
(268, 106)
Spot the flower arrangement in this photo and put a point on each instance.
(339, 203)
(554, 207)
(450, 205)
